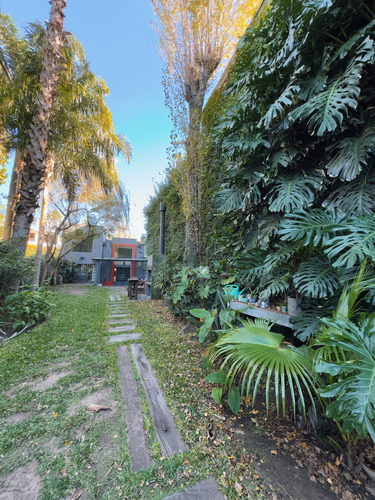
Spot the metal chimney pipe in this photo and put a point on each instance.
(162, 227)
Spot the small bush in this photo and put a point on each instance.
(190, 288)
(67, 272)
(28, 307)
(13, 267)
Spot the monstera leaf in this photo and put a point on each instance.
(356, 197)
(316, 278)
(279, 256)
(354, 244)
(293, 192)
(276, 285)
(279, 106)
(326, 110)
(283, 157)
(352, 155)
(229, 200)
(308, 322)
(308, 227)
(353, 391)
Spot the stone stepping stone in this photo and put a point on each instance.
(123, 328)
(139, 453)
(123, 337)
(119, 315)
(207, 489)
(120, 321)
(114, 298)
(166, 432)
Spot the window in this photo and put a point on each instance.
(123, 252)
(84, 246)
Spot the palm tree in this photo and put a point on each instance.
(35, 153)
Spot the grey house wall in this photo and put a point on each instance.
(86, 257)
(102, 248)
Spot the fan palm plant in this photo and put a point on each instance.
(247, 354)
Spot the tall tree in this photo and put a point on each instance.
(75, 218)
(194, 37)
(19, 71)
(34, 159)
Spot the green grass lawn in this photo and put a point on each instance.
(84, 452)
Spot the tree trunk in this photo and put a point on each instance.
(42, 220)
(47, 258)
(34, 168)
(54, 274)
(191, 180)
(12, 197)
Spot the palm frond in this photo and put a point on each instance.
(252, 351)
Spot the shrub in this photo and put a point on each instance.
(13, 267)
(28, 307)
(67, 272)
(191, 288)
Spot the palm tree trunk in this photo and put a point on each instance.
(34, 168)
(12, 197)
(42, 220)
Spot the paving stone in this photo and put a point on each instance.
(124, 328)
(118, 315)
(123, 337)
(120, 320)
(139, 453)
(207, 489)
(166, 432)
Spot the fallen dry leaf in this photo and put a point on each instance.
(98, 407)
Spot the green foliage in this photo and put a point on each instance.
(297, 139)
(67, 272)
(353, 388)
(292, 192)
(316, 278)
(13, 266)
(218, 320)
(174, 222)
(246, 354)
(28, 308)
(191, 287)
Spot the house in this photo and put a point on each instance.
(108, 262)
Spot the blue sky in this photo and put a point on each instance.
(121, 48)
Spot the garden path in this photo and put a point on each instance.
(169, 438)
